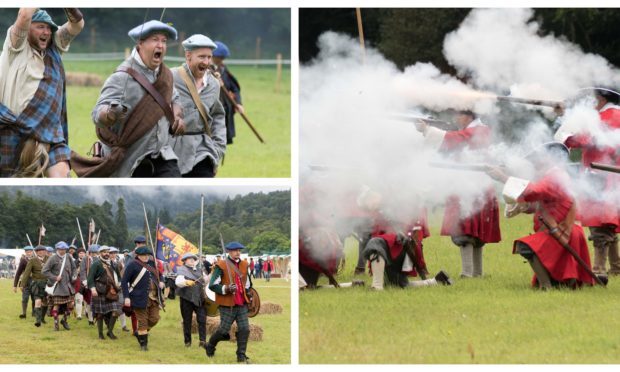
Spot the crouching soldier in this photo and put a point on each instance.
(230, 282)
(142, 285)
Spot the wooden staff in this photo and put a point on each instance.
(81, 235)
(148, 229)
(360, 29)
(553, 232)
(202, 209)
(230, 97)
(29, 241)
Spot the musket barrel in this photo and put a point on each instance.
(456, 166)
(605, 167)
(535, 102)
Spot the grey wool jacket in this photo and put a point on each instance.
(51, 270)
(122, 89)
(194, 148)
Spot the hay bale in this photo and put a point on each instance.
(83, 79)
(270, 308)
(256, 331)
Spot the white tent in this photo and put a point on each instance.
(17, 253)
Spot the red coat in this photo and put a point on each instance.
(483, 223)
(593, 212)
(384, 229)
(320, 249)
(551, 195)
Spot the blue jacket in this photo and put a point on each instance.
(140, 294)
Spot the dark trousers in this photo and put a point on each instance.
(204, 169)
(158, 167)
(187, 309)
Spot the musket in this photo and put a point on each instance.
(553, 232)
(535, 102)
(440, 124)
(230, 98)
(605, 167)
(458, 166)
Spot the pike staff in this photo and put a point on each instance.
(148, 229)
(202, 208)
(81, 235)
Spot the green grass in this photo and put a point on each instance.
(268, 110)
(23, 343)
(496, 319)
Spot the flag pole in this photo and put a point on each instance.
(148, 229)
(202, 209)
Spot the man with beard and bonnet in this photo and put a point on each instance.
(548, 197)
(61, 273)
(137, 112)
(599, 209)
(104, 285)
(33, 108)
(202, 147)
(480, 226)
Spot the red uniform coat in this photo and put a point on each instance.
(484, 222)
(320, 249)
(593, 212)
(549, 192)
(384, 229)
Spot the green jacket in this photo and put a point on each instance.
(33, 270)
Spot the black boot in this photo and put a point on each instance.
(24, 308)
(242, 345)
(210, 346)
(111, 323)
(43, 314)
(443, 278)
(64, 322)
(38, 314)
(144, 342)
(100, 328)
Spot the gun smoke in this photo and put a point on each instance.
(346, 99)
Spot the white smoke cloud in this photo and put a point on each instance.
(501, 50)
(347, 101)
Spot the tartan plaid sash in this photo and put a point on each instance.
(44, 118)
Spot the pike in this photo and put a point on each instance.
(81, 235)
(29, 241)
(230, 98)
(605, 167)
(535, 102)
(554, 233)
(202, 209)
(148, 229)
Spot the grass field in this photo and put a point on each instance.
(23, 343)
(495, 319)
(269, 111)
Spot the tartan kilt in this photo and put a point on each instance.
(59, 300)
(37, 288)
(101, 305)
(229, 314)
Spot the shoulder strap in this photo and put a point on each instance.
(195, 97)
(138, 278)
(151, 90)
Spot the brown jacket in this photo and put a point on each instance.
(227, 273)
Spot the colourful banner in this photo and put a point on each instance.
(172, 246)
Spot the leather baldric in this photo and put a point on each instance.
(191, 86)
(562, 229)
(151, 90)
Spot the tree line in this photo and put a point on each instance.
(406, 36)
(261, 221)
